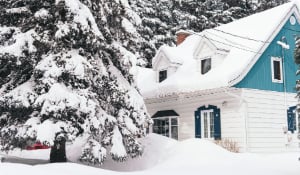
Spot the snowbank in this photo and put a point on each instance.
(155, 147)
(166, 156)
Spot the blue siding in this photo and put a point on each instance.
(260, 76)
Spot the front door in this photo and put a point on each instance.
(207, 124)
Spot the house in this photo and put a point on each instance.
(235, 81)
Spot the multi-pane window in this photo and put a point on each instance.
(205, 65)
(211, 124)
(162, 75)
(166, 126)
(207, 117)
(276, 70)
(205, 124)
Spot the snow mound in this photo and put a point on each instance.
(155, 152)
(200, 147)
(41, 154)
(163, 155)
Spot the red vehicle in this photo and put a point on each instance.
(36, 146)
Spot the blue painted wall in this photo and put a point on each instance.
(260, 76)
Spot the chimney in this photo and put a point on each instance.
(181, 35)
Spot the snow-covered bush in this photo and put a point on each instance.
(228, 144)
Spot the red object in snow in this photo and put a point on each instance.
(36, 146)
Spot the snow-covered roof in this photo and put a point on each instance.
(171, 53)
(258, 31)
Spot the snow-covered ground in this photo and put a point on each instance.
(166, 156)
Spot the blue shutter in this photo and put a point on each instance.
(291, 119)
(217, 122)
(197, 124)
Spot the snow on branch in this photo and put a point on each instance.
(283, 45)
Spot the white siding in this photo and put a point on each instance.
(267, 115)
(263, 113)
(232, 114)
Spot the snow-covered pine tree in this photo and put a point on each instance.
(62, 76)
(297, 61)
(266, 4)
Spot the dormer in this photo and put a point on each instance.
(209, 55)
(165, 63)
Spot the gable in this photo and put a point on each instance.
(260, 75)
(160, 62)
(205, 49)
(163, 62)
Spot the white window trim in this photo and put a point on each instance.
(199, 59)
(200, 65)
(281, 71)
(164, 69)
(170, 124)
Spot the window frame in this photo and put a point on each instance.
(166, 76)
(278, 59)
(169, 127)
(201, 65)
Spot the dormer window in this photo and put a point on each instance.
(205, 65)
(162, 75)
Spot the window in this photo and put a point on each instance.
(166, 126)
(276, 70)
(293, 120)
(162, 75)
(207, 124)
(205, 65)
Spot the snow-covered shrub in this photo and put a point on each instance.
(228, 144)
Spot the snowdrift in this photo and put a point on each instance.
(167, 156)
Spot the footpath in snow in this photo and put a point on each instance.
(166, 156)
